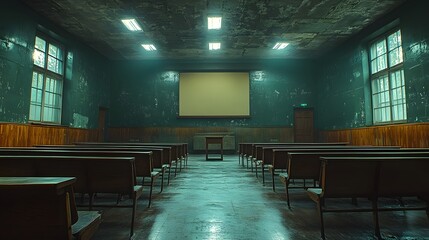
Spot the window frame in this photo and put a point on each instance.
(388, 71)
(48, 74)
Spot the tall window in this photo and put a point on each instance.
(387, 79)
(47, 84)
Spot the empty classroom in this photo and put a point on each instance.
(214, 120)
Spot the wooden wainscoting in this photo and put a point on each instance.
(404, 135)
(26, 135)
(186, 134)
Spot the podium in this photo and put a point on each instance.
(214, 140)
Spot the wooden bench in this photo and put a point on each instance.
(371, 178)
(178, 150)
(280, 155)
(143, 160)
(305, 165)
(116, 175)
(43, 208)
(162, 160)
(257, 148)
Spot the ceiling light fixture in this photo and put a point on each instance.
(280, 45)
(214, 22)
(149, 47)
(132, 25)
(214, 46)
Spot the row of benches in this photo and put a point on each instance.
(98, 168)
(343, 171)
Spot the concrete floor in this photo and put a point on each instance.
(221, 200)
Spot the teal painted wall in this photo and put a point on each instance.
(87, 80)
(344, 100)
(145, 93)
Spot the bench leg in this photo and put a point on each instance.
(162, 179)
(376, 220)
(133, 216)
(256, 168)
(169, 173)
(263, 174)
(320, 203)
(287, 193)
(272, 178)
(150, 192)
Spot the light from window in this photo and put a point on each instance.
(47, 82)
(387, 77)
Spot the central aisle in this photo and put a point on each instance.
(215, 200)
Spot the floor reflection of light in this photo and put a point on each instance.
(214, 229)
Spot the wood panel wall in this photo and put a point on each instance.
(404, 135)
(23, 135)
(26, 135)
(186, 134)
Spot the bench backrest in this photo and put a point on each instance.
(390, 176)
(89, 171)
(177, 149)
(37, 208)
(306, 165)
(354, 178)
(143, 160)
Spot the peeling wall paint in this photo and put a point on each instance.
(145, 94)
(345, 98)
(86, 86)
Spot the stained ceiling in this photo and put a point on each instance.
(178, 28)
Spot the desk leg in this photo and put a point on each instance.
(207, 147)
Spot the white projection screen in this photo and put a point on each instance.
(214, 94)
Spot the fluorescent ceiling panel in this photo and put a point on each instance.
(214, 46)
(149, 47)
(280, 45)
(214, 22)
(132, 25)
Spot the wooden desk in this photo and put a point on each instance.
(214, 140)
(37, 207)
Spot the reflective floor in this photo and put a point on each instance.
(223, 200)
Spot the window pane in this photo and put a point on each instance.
(40, 44)
(35, 112)
(55, 52)
(47, 114)
(55, 65)
(381, 47)
(381, 63)
(39, 58)
(394, 40)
